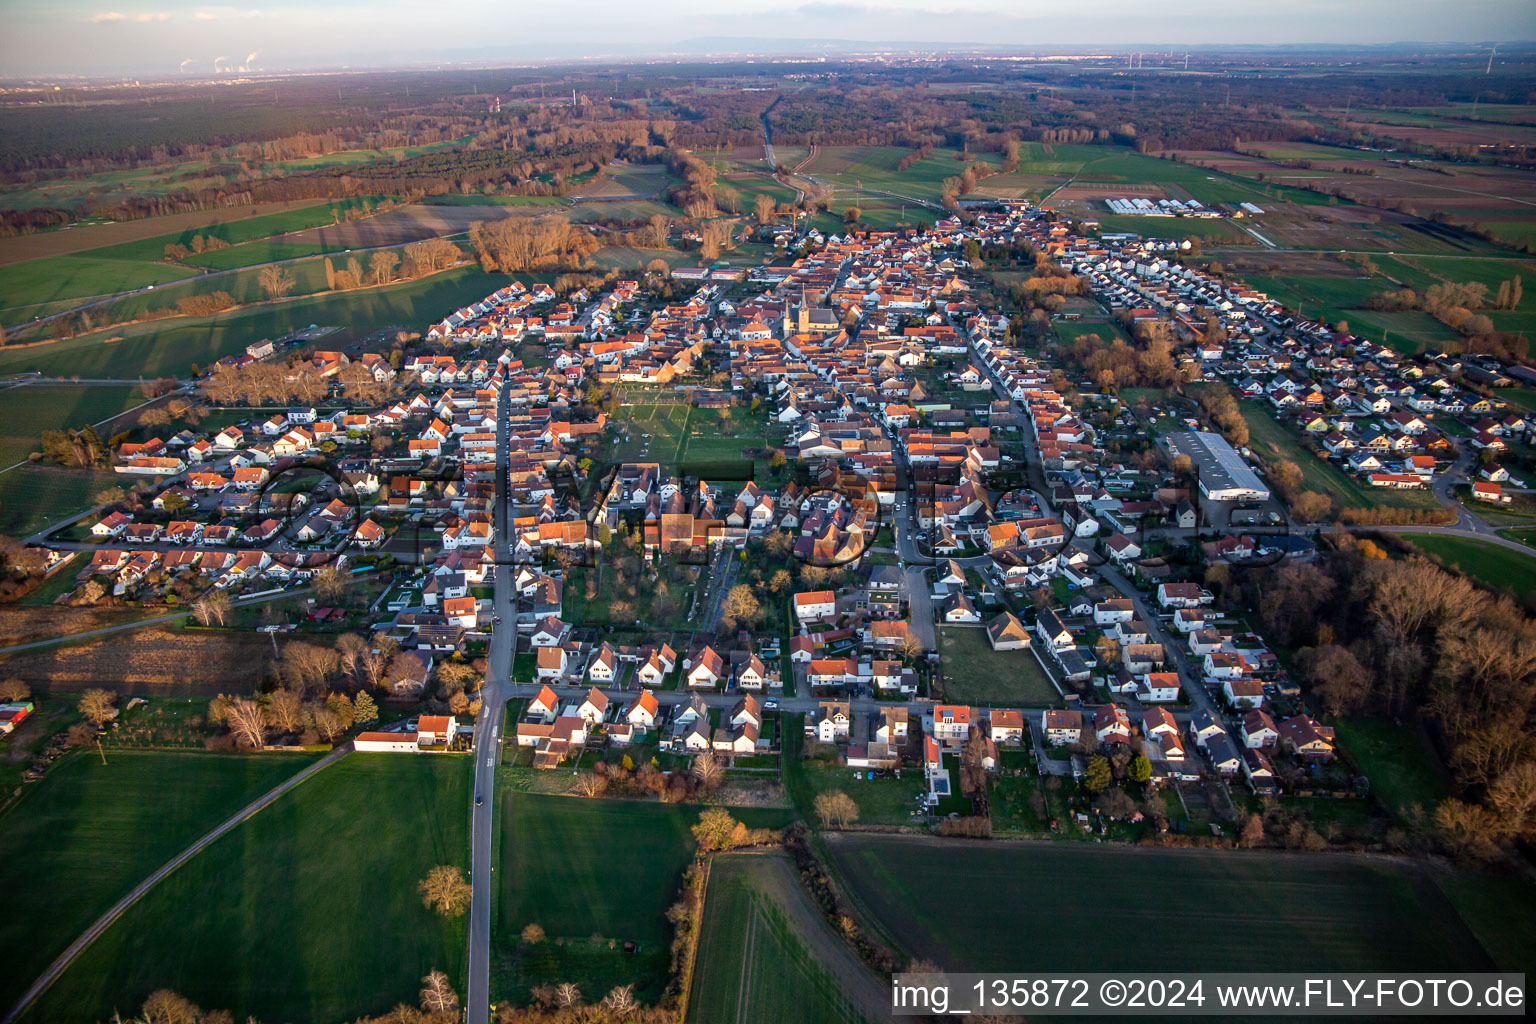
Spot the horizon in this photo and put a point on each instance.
(105, 39)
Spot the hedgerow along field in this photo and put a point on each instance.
(98, 829)
(594, 874)
(308, 911)
(1331, 912)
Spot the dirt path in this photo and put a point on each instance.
(775, 877)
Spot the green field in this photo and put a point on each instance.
(753, 966)
(587, 872)
(1499, 912)
(667, 426)
(1205, 229)
(27, 411)
(1275, 442)
(87, 833)
(1490, 565)
(171, 347)
(33, 496)
(976, 674)
(24, 286)
(1404, 771)
(1328, 912)
(308, 911)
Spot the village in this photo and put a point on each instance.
(907, 487)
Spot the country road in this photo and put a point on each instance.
(105, 921)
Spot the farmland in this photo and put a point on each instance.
(594, 874)
(1490, 565)
(765, 954)
(1328, 912)
(307, 884)
(158, 661)
(171, 347)
(28, 410)
(106, 827)
(33, 496)
(976, 674)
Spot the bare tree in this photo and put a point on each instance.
(620, 1001)
(533, 933)
(836, 809)
(567, 994)
(382, 264)
(276, 281)
(445, 890)
(438, 996)
(331, 583)
(349, 650)
(709, 768)
(212, 608)
(246, 722)
(14, 688)
(285, 710)
(100, 706)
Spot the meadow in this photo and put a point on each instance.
(100, 829)
(29, 409)
(594, 874)
(1399, 760)
(1489, 565)
(1331, 912)
(307, 911)
(33, 496)
(976, 674)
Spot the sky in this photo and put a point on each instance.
(158, 37)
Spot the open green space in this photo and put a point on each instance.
(976, 674)
(1205, 229)
(1273, 442)
(1404, 771)
(594, 874)
(1490, 565)
(79, 839)
(308, 911)
(31, 497)
(28, 410)
(171, 347)
(1316, 912)
(25, 286)
(874, 167)
(1499, 912)
(657, 433)
(753, 966)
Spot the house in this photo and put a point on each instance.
(893, 726)
(707, 670)
(435, 730)
(1306, 737)
(595, 707)
(641, 712)
(1259, 730)
(1180, 595)
(1223, 754)
(1259, 772)
(552, 662)
(1157, 721)
(746, 710)
(1063, 728)
(952, 723)
(815, 605)
(1114, 610)
(604, 665)
(1053, 632)
(1007, 633)
(1112, 725)
(1243, 694)
(1492, 493)
(545, 704)
(1204, 725)
(831, 721)
(1158, 688)
(1006, 727)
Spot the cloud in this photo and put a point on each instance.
(183, 65)
(97, 19)
(205, 16)
(251, 14)
(160, 16)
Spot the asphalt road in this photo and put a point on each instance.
(105, 921)
(493, 697)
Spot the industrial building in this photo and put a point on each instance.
(1224, 475)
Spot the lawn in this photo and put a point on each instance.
(666, 425)
(308, 911)
(1327, 912)
(887, 801)
(1404, 771)
(976, 674)
(1276, 443)
(1490, 565)
(101, 829)
(593, 874)
(171, 347)
(28, 410)
(754, 967)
